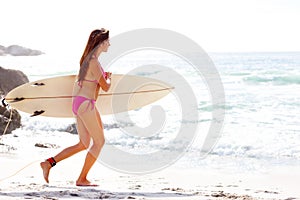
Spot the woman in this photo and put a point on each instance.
(91, 78)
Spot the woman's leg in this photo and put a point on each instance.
(99, 120)
(95, 130)
(84, 142)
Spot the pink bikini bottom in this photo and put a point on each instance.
(78, 100)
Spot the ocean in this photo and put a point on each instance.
(261, 129)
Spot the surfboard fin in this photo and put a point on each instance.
(17, 99)
(38, 84)
(36, 113)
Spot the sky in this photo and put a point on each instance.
(58, 26)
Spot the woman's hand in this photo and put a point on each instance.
(108, 75)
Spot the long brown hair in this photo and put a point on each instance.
(96, 38)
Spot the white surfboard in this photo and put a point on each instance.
(53, 96)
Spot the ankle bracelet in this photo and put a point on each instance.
(51, 161)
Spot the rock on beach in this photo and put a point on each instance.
(9, 79)
(16, 50)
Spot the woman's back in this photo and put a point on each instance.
(89, 86)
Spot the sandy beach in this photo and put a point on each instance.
(21, 176)
(171, 183)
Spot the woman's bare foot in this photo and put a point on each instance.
(85, 183)
(46, 169)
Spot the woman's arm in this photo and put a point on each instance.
(97, 72)
(105, 83)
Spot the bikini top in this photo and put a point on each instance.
(94, 81)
